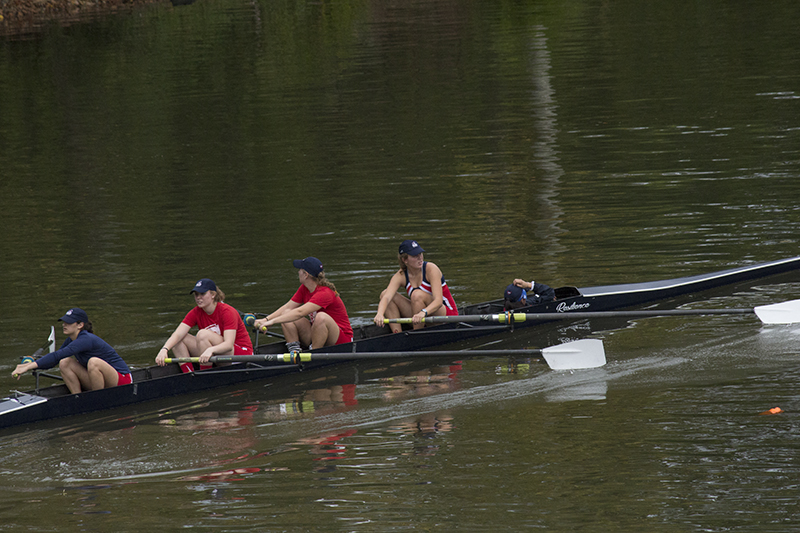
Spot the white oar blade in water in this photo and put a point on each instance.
(586, 353)
(782, 313)
(52, 339)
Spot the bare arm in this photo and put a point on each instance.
(285, 308)
(435, 306)
(24, 367)
(435, 279)
(174, 339)
(289, 313)
(394, 285)
(521, 283)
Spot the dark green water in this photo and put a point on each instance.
(583, 143)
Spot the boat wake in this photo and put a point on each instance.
(564, 386)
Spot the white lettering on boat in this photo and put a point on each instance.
(574, 306)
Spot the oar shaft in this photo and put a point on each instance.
(585, 353)
(304, 357)
(504, 318)
(38, 353)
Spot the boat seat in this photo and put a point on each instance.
(567, 292)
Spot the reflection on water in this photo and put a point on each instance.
(425, 429)
(567, 392)
(436, 380)
(327, 447)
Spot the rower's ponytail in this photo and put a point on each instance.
(325, 282)
(401, 258)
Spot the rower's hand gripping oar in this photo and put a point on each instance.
(50, 346)
(586, 353)
(250, 320)
(780, 313)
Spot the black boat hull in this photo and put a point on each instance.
(149, 384)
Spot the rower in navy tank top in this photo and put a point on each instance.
(447, 298)
(433, 298)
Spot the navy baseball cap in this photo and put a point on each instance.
(312, 265)
(410, 247)
(204, 285)
(514, 293)
(75, 315)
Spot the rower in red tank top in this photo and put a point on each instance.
(432, 299)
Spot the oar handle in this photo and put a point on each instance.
(250, 320)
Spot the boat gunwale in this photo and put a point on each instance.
(611, 290)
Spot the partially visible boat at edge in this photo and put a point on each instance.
(156, 382)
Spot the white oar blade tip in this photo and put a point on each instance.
(586, 353)
(780, 313)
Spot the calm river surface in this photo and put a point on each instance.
(580, 143)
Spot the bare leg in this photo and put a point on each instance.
(290, 332)
(419, 300)
(186, 347)
(399, 307)
(101, 374)
(301, 328)
(324, 331)
(74, 375)
(206, 339)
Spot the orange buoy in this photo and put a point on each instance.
(773, 411)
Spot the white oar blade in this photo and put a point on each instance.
(782, 313)
(586, 353)
(52, 339)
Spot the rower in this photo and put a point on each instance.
(515, 295)
(428, 294)
(221, 330)
(86, 361)
(315, 315)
